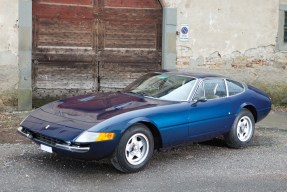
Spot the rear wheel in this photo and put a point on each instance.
(242, 130)
(134, 150)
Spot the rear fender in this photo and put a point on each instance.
(250, 107)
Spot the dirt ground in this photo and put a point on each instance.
(9, 122)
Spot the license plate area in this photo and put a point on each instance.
(46, 148)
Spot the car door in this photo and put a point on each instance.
(210, 110)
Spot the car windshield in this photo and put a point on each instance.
(163, 86)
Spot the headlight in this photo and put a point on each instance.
(87, 137)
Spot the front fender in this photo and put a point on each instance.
(138, 120)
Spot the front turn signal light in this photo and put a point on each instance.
(88, 137)
(105, 136)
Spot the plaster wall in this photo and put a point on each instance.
(236, 38)
(8, 52)
(227, 25)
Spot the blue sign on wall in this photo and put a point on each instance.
(184, 30)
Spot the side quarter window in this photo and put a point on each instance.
(234, 87)
(214, 88)
(211, 89)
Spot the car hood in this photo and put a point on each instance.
(99, 107)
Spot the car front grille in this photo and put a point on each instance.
(43, 138)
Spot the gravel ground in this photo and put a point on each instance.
(209, 166)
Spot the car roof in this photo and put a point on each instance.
(191, 74)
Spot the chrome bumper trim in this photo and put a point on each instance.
(19, 129)
(76, 149)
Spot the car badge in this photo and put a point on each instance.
(47, 126)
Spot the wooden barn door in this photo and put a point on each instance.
(130, 41)
(93, 45)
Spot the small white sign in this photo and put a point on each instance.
(184, 31)
(46, 148)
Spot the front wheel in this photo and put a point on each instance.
(242, 130)
(134, 150)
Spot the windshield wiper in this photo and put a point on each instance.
(138, 93)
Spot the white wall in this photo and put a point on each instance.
(8, 51)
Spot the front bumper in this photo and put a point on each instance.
(91, 151)
(68, 147)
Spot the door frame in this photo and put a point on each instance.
(169, 24)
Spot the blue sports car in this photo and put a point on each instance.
(158, 110)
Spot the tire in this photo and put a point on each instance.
(134, 150)
(242, 130)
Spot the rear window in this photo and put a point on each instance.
(234, 87)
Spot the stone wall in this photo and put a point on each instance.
(8, 52)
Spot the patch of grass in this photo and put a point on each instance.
(277, 92)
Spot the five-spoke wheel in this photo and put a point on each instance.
(137, 149)
(244, 128)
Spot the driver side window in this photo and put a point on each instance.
(211, 89)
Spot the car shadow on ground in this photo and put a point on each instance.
(216, 142)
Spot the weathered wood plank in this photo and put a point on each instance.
(57, 75)
(132, 56)
(67, 25)
(65, 39)
(134, 3)
(59, 93)
(135, 16)
(129, 27)
(79, 57)
(116, 76)
(131, 43)
(68, 2)
(62, 11)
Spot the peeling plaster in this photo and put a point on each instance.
(258, 62)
